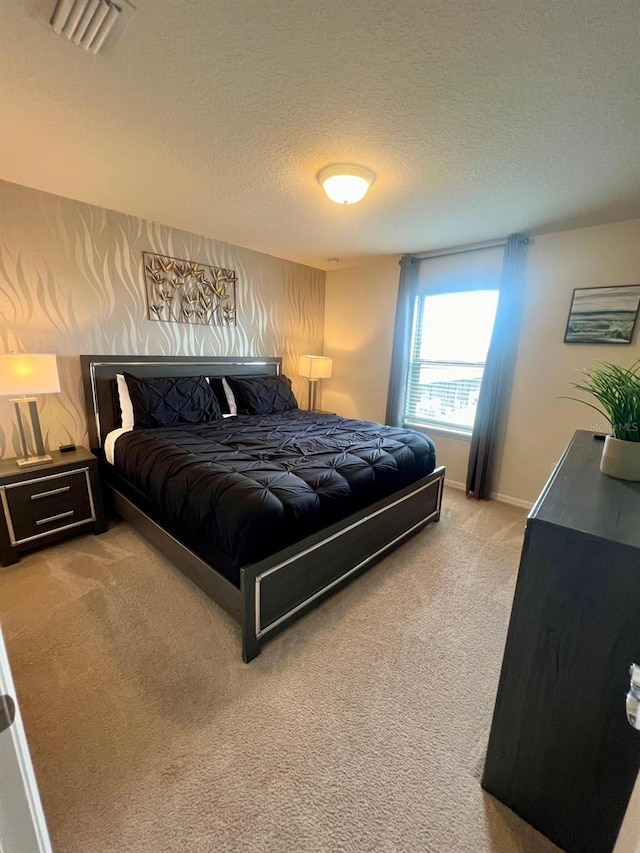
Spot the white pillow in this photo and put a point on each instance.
(231, 400)
(126, 406)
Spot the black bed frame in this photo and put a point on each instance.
(279, 589)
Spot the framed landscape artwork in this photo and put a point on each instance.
(603, 315)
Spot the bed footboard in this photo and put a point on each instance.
(277, 591)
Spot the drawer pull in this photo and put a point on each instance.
(55, 517)
(52, 492)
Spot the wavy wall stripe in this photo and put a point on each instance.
(71, 282)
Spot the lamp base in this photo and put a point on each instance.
(34, 460)
(313, 383)
(41, 457)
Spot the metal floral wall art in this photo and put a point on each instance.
(186, 292)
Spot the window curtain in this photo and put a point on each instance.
(400, 354)
(491, 415)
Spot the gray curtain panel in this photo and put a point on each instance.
(491, 416)
(402, 341)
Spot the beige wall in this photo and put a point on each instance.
(540, 424)
(71, 283)
(360, 309)
(360, 304)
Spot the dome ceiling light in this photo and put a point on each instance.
(346, 183)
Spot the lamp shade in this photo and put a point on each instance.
(315, 366)
(345, 183)
(22, 373)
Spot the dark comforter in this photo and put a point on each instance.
(239, 489)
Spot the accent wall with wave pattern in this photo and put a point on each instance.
(71, 283)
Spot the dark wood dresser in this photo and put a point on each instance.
(561, 752)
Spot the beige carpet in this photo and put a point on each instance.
(361, 728)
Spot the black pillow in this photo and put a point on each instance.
(170, 400)
(262, 395)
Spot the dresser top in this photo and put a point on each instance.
(578, 496)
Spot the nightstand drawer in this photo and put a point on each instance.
(35, 508)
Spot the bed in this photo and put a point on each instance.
(267, 513)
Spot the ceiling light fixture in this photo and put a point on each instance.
(346, 183)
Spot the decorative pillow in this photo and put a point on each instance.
(224, 395)
(126, 409)
(262, 395)
(167, 401)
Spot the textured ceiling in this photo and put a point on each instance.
(215, 115)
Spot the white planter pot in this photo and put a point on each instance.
(621, 459)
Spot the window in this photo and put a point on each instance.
(450, 341)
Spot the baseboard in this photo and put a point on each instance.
(507, 499)
(496, 496)
(454, 484)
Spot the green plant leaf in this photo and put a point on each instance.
(617, 390)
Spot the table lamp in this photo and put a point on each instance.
(313, 368)
(23, 374)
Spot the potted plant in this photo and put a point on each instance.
(617, 390)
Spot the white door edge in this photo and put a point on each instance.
(21, 748)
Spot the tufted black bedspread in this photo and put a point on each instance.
(239, 489)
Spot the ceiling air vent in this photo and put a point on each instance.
(88, 23)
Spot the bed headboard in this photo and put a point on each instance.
(99, 380)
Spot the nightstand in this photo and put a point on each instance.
(45, 503)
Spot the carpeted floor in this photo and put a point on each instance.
(361, 728)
